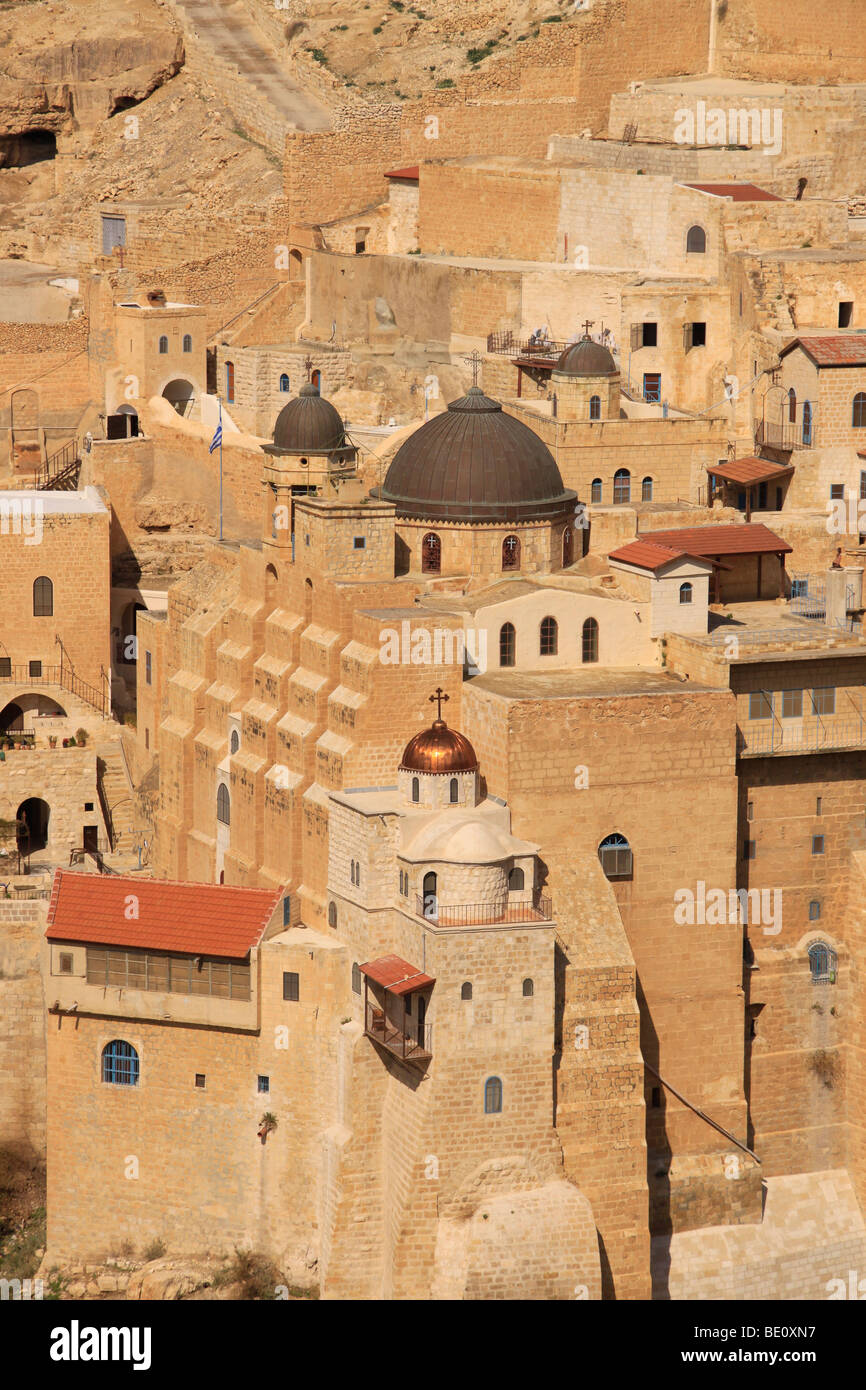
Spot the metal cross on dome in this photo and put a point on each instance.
(587, 325)
(308, 367)
(474, 361)
(440, 698)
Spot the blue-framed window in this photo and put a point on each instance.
(814, 910)
(817, 844)
(493, 1096)
(792, 704)
(615, 855)
(119, 1064)
(761, 704)
(264, 1085)
(799, 588)
(824, 699)
(822, 963)
(284, 381)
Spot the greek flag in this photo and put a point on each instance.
(217, 438)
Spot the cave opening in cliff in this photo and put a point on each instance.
(27, 147)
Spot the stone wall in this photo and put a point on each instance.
(22, 1025)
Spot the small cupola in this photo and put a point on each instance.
(439, 767)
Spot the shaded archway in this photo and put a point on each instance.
(180, 394)
(11, 718)
(32, 816)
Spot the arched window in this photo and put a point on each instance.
(792, 406)
(528, 989)
(807, 421)
(431, 553)
(223, 804)
(230, 381)
(511, 553)
(567, 547)
(316, 380)
(119, 1064)
(822, 963)
(493, 1096)
(616, 857)
(466, 990)
(187, 342)
(454, 791)
(163, 344)
(685, 593)
(43, 597)
(595, 490)
(621, 485)
(507, 644)
(235, 741)
(356, 977)
(284, 381)
(589, 641)
(516, 880)
(646, 490)
(595, 407)
(431, 901)
(416, 789)
(696, 241)
(548, 644)
(858, 411)
(332, 914)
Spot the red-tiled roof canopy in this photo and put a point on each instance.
(647, 555)
(749, 539)
(412, 172)
(739, 192)
(749, 470)
(396, 975)
(832, 349)
(201, 919)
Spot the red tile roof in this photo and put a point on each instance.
(751, 538)
(201, 919)
(396, 975)
(646, 554)
(412, 172)
(739, 192)
(749, 470)
(832, 349)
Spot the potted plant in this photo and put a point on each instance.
(52, 740)
(80, 737)
(267, 1124)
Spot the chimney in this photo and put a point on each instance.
(156, 298)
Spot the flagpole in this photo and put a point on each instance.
(219, 399)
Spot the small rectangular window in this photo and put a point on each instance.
(649, 335)
(35, 670)
(792, 704)
(291, 985)
(749, 849)
(148, 668)
(360, 542)
(652, 386)
(88, 805)
(147, 738)
(837, 491)
(200, 1080)
(750, 810)
(5, 666)
(846, 313)
(814, 911)
(264, 1085)
(817, 844)
(287, 911)
(824, 700)
(819, 805)
(65, 965)
(761, 704)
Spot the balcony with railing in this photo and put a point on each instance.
(806, 736)
(499, 913)
(409, 1043)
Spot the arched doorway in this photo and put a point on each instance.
(123, 424)
(11, 718)
(180, 394)
(32, 817)
(430, 898)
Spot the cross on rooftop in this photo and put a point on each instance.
(474, 361)
(440, 697)
(308, 367)
(587, 325)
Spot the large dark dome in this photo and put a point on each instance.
(308, 425)
(586, 358)
(475, 463)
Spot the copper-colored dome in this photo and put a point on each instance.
(473, 462)
(586, 358)
(308, 425)
(439, 749)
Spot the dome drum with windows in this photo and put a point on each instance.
(310, 425)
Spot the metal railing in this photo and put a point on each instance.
(60, 675)
(416, 1045)
(59, 465)
(782, 434)
(481, 914)
(814, 738)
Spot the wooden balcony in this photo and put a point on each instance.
(409, 1044)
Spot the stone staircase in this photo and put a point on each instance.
(116, 795)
